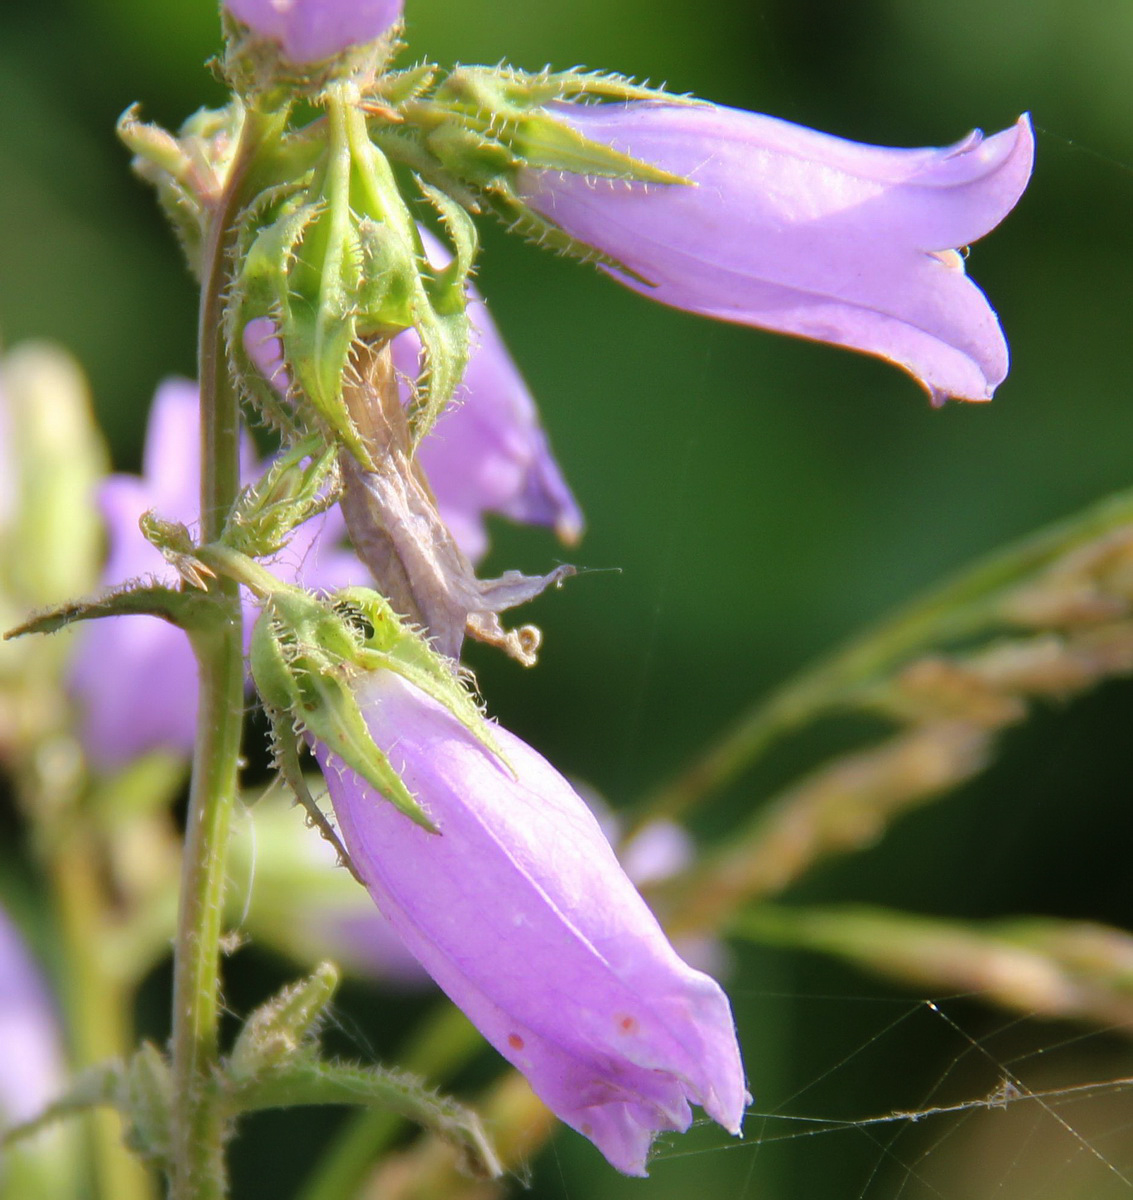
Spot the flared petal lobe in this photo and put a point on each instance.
(310, 30)
(801, 232)
(521, 913)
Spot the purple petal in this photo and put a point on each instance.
(264, 347)
(31, 1066)
(488, 453)
(311, 30)
(801, 232)
(521, 913)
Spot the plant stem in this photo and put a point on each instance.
(198, 1169)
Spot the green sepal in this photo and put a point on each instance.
(386, 642)
(271, 230)
(504, 86)
(308, 656)
(299, 485)
(483, 125)
(188, 610)
(284, 1026)
(507, 110)
(286, 749)
(303, 663)
(404, 288)
(395, 88)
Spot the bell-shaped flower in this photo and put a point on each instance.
(135, 677)
(519, 910)
(290, 894)
(308, 31)
(800, 232)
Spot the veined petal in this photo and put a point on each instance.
(521, 913)
(804, 233)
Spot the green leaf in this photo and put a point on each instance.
(189, 609)
(304, 1081)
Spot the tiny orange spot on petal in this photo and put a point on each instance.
(515, 1041)
(627, 1024)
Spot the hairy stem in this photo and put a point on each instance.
(198, 1170)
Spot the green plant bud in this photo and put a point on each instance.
(333, 257)
(298, 485)
(284, 1026)
(147, 1105)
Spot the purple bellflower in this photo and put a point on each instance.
(521, 913)
(801, 232)
(135, 677)
(31, 1062)
(308, 31)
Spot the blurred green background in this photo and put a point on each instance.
(751, 499)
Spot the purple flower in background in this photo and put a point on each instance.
(310, 30)
(31, 1065)
(521, 913)
(800, 232)
(135, 677)
(487, 452)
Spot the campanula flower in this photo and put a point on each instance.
(135, 677)
(520, 912)
(797, 231)
(309, 31)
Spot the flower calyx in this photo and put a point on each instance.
(308, 653)
(334, 257)
(483, 125)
